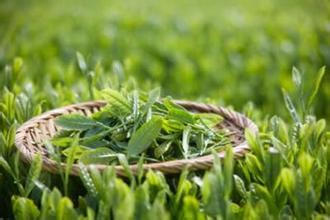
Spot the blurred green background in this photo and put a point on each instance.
(232, 53)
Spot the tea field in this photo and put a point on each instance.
(267, 59)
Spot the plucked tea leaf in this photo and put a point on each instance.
(160, 150)
(97, 144)
(118, 104)
(127, 125)
(209, 119)
(185, 141)
(170, 125)
(178, 112)
(61, 141)
(98, 156)
(181, 115)
(75, 122)
(75, 151)
(153, 96)
(144, 136)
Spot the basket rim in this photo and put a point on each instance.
(167, 167)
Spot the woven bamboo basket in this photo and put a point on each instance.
(31, 136)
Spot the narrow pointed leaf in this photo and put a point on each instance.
(76, 122)
(144, 136)
(317, 86)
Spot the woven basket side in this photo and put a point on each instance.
(30, 137)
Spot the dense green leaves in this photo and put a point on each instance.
(135, 123)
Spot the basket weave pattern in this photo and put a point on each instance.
(30, 138)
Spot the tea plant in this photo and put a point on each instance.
(225, 53)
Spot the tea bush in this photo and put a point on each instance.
(239, 54)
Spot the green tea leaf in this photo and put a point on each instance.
(177, 112)
(305, 162)
(17, 65)
(153, 96)
(296, 77)
(161, 150)
(69, 162)
(144, 136)
(181, 115)
(290, 106)
(190, 209)
(34, 173)
(100, 155)
(240, 187)
(75, 122)
(87, 180)
(65, 209)
(228, 171)
(170, 125)
(24, 208)
(81, 63)
(185, 141)
(209, 119)
(118, 104)
(4, 164)
(123, 161)
(288, 180)
(61, 141)
(317, 86)
(75, 151)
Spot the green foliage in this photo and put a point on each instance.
(220, 52)
(33, 175)
(131, 126)
(24, 209)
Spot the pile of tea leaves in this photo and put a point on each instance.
(138, 124)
